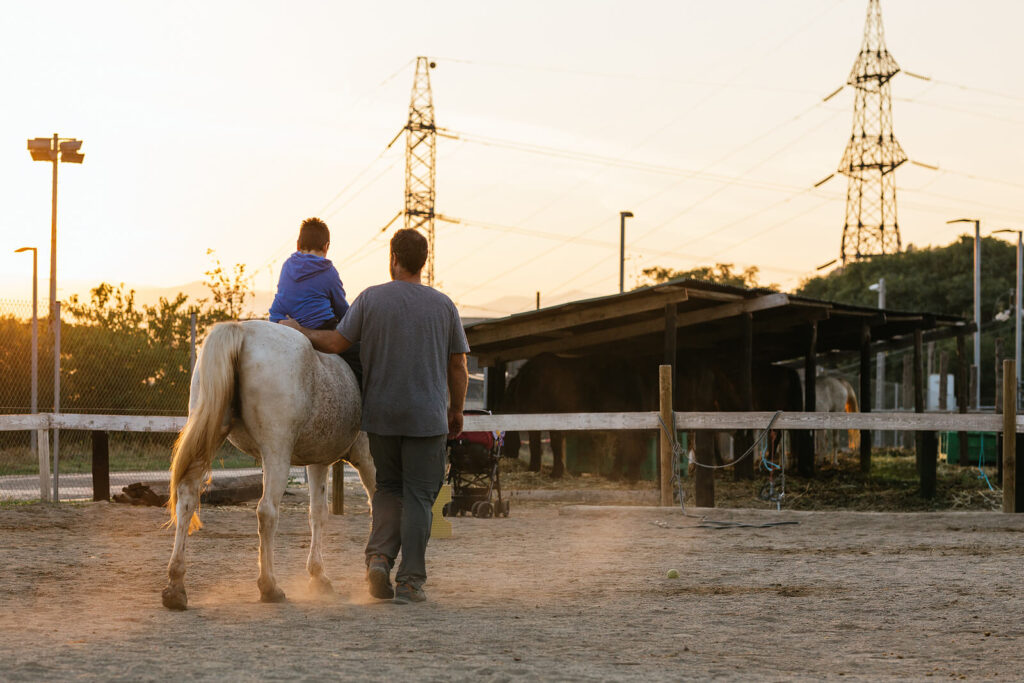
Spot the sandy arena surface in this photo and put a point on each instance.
(554, 592)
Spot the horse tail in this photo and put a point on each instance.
(852, 406)
(213, 391)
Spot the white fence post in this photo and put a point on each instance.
(56, 402)
(43, 444)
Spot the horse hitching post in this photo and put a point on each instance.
(1010, 437)
(338, 488)
(667, 436)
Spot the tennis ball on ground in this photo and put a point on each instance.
(672, 574)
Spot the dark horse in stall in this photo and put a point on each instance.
(594, 384)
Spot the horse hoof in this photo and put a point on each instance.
(275, 595)
(320, 586)
(174, 598)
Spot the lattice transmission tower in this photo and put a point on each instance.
(873, 152)
(420, 153)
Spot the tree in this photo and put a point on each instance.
(720, 273)
(230, 289)
(118, 357)
(932, 279)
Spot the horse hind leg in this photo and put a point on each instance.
(318, 581)
(174, 596)
(276, 464)
(359, 457)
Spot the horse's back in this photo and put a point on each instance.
(291, 396)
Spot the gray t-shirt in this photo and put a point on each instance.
(408, 333)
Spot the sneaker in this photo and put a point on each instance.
(406, 593)
(378, 576)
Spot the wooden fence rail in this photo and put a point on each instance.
(912, 422)
(648, 421)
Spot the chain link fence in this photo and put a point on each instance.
(104, 369)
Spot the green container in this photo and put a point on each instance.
(980, 445)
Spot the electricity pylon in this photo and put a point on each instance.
(873, 152)
(420, 153)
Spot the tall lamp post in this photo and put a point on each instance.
(1016, 299)
(623, 215)
(977, 304)
(35, 335)
(54, 150)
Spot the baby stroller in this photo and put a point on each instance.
(473, 474)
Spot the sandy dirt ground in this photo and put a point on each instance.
(555, 592)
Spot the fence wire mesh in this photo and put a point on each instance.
(107, 367)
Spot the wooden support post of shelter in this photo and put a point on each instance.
(1012, 493)
(338, 488)
(100, 465)
(805, 458)
(667, 433)
(926, 445)
(865, 396)
(495, 386)
(670, 362)
(744, 468)
(704, 477)
(962, 370)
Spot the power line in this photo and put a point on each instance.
(968, 88)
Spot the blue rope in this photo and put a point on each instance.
(981, 463)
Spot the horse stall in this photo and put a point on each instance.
(729, 349)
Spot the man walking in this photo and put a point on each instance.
(414, 390)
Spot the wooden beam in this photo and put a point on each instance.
(744, 469)
(622, 332)
(665, 473)
(43, 443)
(100, 466)
(555, 320)
(338, 488)
(20, 423)
(805, 457)
(1010, 502)
(118, 423)
(719, 421)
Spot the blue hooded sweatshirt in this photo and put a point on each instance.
(309, 290)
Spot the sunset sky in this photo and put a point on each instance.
(221, 125)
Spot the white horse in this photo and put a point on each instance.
(834, 395)
(264, 388)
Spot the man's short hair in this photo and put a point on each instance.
(313, 235)
(410, 249)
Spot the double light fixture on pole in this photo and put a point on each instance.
(977, 304)
(54, 150)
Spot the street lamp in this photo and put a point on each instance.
(1016, 299)
(53, 150)
(623, 215)
(977, 304)
(35, 335)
